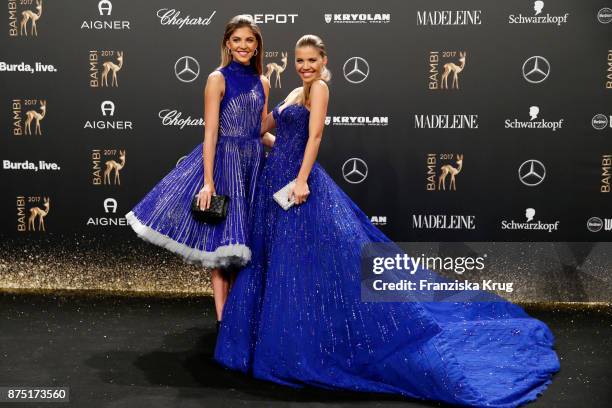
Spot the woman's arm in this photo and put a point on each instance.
(266, 138)
(319, 96)
(215, 86)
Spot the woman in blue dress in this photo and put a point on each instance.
(294, 315)
(229, 162)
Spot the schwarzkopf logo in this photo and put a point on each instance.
(534, 111)
(538, 17)
(529, 224)
(358, 18)
(357, 120)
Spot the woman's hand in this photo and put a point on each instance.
(299, 191)
(205, 196)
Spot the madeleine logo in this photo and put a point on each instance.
(26, 18)
(103, 63)
(438, 77)
(113, 161)
(443, 169)
(23, 119)
(274, 68)
(31, 213)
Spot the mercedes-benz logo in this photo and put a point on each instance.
(356, 70)
(536, 69)
(599, 121)
(186, 69)
(594, 224)
(532, 172)
(354, 170)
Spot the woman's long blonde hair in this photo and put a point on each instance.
(311, 40)
(236, 22)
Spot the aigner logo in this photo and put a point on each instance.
(356, 70)
(186, 69)
(536, 69)
(107, 108)
(354, 170)
(105, 8)
(532, 172)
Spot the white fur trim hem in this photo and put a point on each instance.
(224, 256)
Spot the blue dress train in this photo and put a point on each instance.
(163, 216)
(295, 317)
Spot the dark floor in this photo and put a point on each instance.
(156, 352)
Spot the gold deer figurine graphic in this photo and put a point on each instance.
(110, 65)
(278, 69)
(448, 169)
(41, 214)
(29, 15)
(113, 165)
(31, 115)
(455, 69)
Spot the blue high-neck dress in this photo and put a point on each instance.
(163, 216)
(294, 315)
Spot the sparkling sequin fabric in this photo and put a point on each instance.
(294, 315)
(163, 216)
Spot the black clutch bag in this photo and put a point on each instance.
(215, 213)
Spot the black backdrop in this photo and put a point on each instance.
(397, 46)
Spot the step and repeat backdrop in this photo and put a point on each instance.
(448, 121)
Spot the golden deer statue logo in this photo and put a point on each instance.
(112, 165)
(29, 15)
(453, 171)
(273, 67)
(111, 66)
(34, 115)
(37, 212)
(455, 69)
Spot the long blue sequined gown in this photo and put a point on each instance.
(163, 216)
(294, 315)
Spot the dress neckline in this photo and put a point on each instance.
(240, 68)
(279, 110)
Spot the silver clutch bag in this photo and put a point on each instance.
(282, 196)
